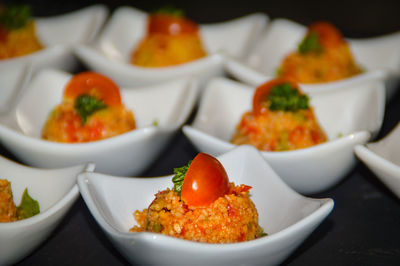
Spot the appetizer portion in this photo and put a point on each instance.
(171, 39)
(323, 55)
(202, 206)
(9, 212)
(91, 110)
(17, 32)
(281, 119)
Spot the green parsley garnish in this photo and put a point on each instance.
(310, 44)
(286, 98)
(169, 10)
(179, 176)
(15, 16)
(28, 206)
(86, 105)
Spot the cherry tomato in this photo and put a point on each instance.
(329, 35)
(93, 84)
(171, 25)
(205, 181)
(262, 91)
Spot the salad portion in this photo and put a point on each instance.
(91, 110)
(281, 119)
(203, 206)
(17, 32)
(322, 56)
(9, 212)
(171, 39)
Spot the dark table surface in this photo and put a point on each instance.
(364, 226)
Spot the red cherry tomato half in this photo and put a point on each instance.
(172, 25)
(329, 35)
(262, 91)
(206, 180)
(93, 84)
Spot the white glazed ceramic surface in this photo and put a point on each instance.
(130, 153)
(13, 80)
(59, 35)
(127, 26)
(383, 158)
(283, 36)
(286, 216)
(354, 113)
(54, 189)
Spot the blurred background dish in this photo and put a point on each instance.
(283, 36)
(60, 34)
(112, 201)
(111, 53)
(382, 158)
(55, 190)
(129, 153)
(348, 115)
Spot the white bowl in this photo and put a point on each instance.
(282, 37)
(383, 159)
(354, 113)
(59, 35)
(13, 80)
(111, 53)
(112, 201)
(55, 190)
(130, 153)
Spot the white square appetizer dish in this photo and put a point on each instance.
(54, 189)
(286, 216)
(157, 119)
(283, 36)
(58, 36)
(383, 159)
(348, 115)
(112, 51)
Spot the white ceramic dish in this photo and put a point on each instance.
(59, 35)
(54, 189)
(383, 158)
(286, 216)
(282, 37)
(13, 79)
(126, 154)
(110, 54)
(354, 113)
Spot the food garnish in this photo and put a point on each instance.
(202, 181)
(14, 16)
(28, 206)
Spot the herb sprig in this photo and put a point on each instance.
(86, 105)
(310, 44)
(286, 98)
(179, 176)
(15, 16)
(170, 10)
(28, 206)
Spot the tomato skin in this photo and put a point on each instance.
(263, 90)
(171, 25)
(206, 180)
(93, 84)
(329, 35)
